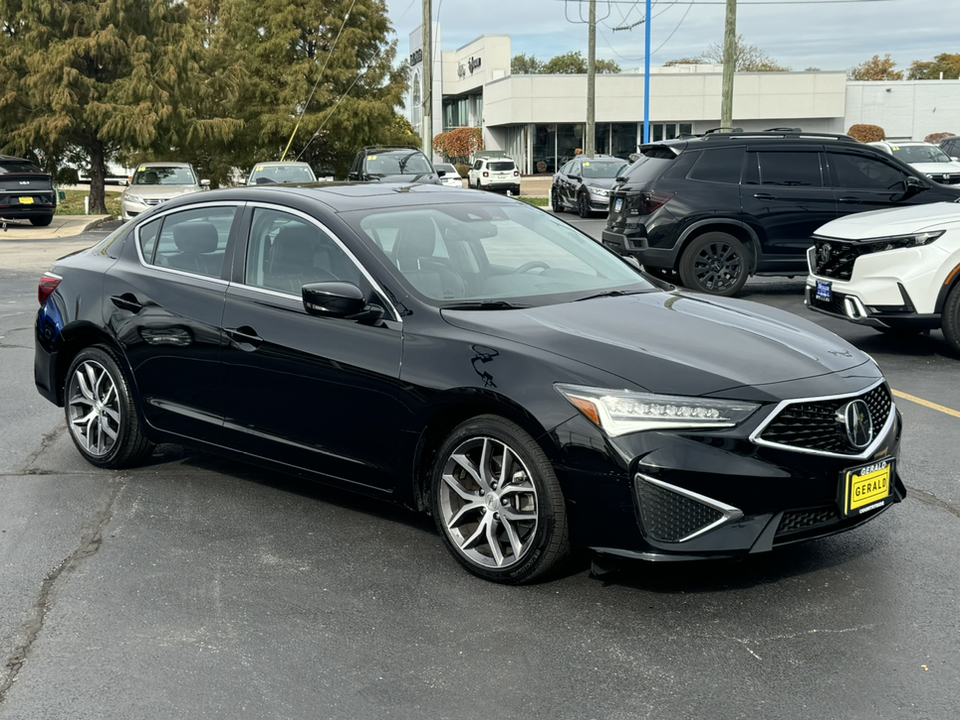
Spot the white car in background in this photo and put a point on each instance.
(926, 158)
(495, 173)
(451, 176)
(897, 270)
(156, 182)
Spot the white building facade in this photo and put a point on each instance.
(539, 120)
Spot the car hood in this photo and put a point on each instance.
(935, 168)
(600, 182)
(892, 221)
(160, 191)
(674, 342)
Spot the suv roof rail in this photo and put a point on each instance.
(783, 129)
(388, 147)
(779, 133)
(723, 129)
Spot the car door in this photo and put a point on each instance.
(165, 305)
(309, 392)
(784, 197)
(870, 181)
(570, 178)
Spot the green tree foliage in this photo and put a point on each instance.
(877, 69)
(523, 65)
(749, 58)
(571, 63)
(321, 73)
(946, 63)
(100, 77)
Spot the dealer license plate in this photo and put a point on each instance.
(26, 201)
(866, 487)
(618, 205)
(824, 290)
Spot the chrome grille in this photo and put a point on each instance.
(814, 425)
(834, 259)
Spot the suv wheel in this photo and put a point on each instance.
(555, 201)
(714, 263)
(950, 319)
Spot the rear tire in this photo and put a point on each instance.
(497, 502)
(950, 319)
(41, 220)
(101, 411)
(714, 263)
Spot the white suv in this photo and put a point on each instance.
(897, 270)
(494, 173)
(925, 157)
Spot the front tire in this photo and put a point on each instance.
(497, 502)
(101, 411)
(950, 319)
(583, 205)
(714, 263)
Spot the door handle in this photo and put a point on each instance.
(127, 301)
(244, 336)
(764, 196)
(848, 199)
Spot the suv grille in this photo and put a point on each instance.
(815, 425)
(835, 259)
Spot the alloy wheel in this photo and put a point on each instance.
(94, 408)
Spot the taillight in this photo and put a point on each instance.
(486, 174)
(650, 201)
(516, 173)
(48, 283)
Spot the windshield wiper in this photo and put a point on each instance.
(612, 293)
(485, 305)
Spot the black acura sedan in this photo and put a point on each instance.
(473, 357)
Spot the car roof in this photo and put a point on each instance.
(282, 163)
(163, 164)
(346, 196)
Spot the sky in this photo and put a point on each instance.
(799, 34)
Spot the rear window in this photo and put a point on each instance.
(718, 165)
(647, 167)
(501, 165)
(13, 167)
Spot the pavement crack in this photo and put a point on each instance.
(45, 443)
(89, 544)
(928, 498)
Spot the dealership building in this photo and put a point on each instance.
(539, 120)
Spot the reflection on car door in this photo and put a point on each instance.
(867, 181)
(310, 392)
(165, 307)
(784, 193)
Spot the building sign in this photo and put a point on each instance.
(416, 57)
(463, 68)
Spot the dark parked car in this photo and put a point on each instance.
(584, 184)
(951, 146)
(709, 211)
(26, 192)
(390, 164)
(471, 356)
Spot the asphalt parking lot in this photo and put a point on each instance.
(198, 587)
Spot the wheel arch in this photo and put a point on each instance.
(449, 411)
(740, 230)
(952, 281)
(77, 337)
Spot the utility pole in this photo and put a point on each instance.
(426, 124)
(729, 64)
(590, 134)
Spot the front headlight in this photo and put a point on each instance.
(902, 241)
(134, 199)
(618, 412)
(601, 192)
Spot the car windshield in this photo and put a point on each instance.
(265, 174)
(919, 153)
(161, 175)
(595, 169)
(470, 254)
(398, 163)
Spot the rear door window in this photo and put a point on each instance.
(787, 168)
(853, 170)
(718, 165)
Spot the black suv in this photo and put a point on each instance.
(26, 192)
(393, 164)
(708, 211)
(951, 146)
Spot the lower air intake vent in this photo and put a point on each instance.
(670, 514)
(797, 520)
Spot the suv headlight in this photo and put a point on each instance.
(903, 241)
(618, 412)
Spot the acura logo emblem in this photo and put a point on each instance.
(855, 416)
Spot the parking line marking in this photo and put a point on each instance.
(926, 403)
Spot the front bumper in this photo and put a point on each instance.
(720, 494)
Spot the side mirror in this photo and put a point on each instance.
(441, 173)
(205, 183)
(339, 300)
(914, 185)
